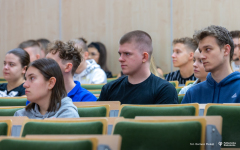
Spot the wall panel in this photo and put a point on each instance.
(21, 20)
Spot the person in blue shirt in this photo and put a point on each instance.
(68, 58)
(222, 85)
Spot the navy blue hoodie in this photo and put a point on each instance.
(209, 91)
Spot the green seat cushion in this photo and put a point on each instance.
(133, 111)
(3, 128)
(8, 112)
(2, 79)
(92, 111)
(159, 136)
(173, 83)
(230, 125)
(12, 144)
(95, 127)
(95, 92)
(13, 102)
(110, 79)
(92, 86)
(180, 98)
(178, 89)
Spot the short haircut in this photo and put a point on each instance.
(235, 34)
(187, 41)
(142, 39)
(23, 56)
(43, 43)
(67, 52)
(30, 43)
(82, 43)
(50, 68)
(221, 34)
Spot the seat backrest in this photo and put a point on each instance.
(92, 86)
(174, 83)
(111, 79)
(161, 134)
(178, 89)
(180, 98)
(52, 144)
(9, 111)
(2, 79)
(61, 126)
(94, 111)
(189, 82)
(5, 127)
(231, 122)
(131, 111)
(95, 91)
(13, 101)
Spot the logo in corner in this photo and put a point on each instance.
(220, 143)
(234, 95)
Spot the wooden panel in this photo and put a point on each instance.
(27, 19)
(189, 15)
(107, 20)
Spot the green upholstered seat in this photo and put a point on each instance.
(92, 86)
(159, 135)
(95, 91)
(111, 79)
(133, 111)
(100, 111)
(8, 112)
(94, 127)
(14, 144)
(178, 89)
(231, 122)
(180, 98)
(3, 129)
(13, 102)
(173, 83)
(2, 79)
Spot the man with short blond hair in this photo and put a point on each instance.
(183, 51)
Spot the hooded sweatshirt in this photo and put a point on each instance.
(67, 110)
(209, 91)
(93, 74)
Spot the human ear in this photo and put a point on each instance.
(85, 55)
(68, 67)
(145, 57)
(24, 69)
(51, 82)
(227, 49)
(38, 56)
(191, 54)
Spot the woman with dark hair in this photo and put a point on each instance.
(15, 64)
(46, 91)
(98, 52)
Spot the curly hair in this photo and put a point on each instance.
(189, 42)
(67, 52)
(221, 34)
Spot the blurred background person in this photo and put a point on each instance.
(98, 52)
(15, 64)
(43, 45)
(33, 49)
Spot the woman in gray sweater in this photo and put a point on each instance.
(45, 90)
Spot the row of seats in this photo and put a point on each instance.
(139, 133)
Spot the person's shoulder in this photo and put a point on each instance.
(174, 72)
(67, 109)
(116, 82)
(21, 112)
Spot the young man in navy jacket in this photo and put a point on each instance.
(222, 85)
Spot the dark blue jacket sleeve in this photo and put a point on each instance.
(187, 97)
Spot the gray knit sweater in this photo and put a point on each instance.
(67, 110)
